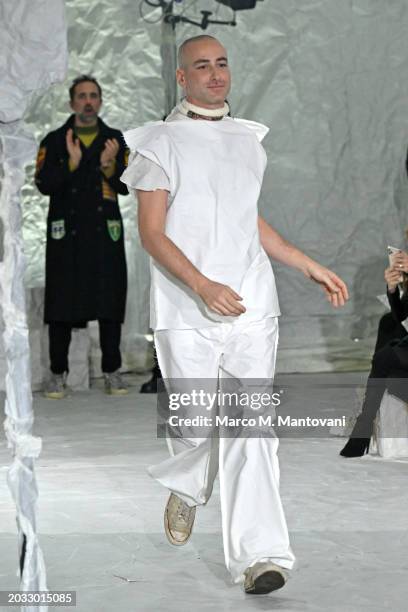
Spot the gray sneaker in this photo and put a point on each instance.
(263, 577)
(114, 384)
(56, 387)
(178, 520)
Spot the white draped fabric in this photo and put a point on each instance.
(33, 55)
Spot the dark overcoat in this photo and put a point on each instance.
(86, 277)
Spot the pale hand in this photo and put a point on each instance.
(335, 289)
(74, 148)
(392, 277)
(220, 298)
(400, 261)
(110, 152)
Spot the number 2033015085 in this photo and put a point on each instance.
(55, 598)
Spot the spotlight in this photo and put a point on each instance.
(238, 5)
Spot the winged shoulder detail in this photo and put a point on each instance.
(140, 136)
(259, 129)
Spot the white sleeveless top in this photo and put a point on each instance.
(214, 171)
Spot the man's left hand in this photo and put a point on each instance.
(110, 152)
(335, 289)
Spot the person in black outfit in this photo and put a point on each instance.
(390, 361)
(78, 166)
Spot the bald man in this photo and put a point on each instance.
(214, 308)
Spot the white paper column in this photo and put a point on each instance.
(33, 56)
(16, 149)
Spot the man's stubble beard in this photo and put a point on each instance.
(88, 119)
(211, 100)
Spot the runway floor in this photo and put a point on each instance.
(100, 518)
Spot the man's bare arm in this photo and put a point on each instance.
(283, 251)
(152, 222)
(280, 249)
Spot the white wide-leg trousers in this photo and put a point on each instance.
(253, 522)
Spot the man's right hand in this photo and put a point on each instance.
(220, 298)
(392, 277)
(74, 149)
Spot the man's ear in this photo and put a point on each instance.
(180, 77)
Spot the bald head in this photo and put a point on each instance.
(203, 71)
(186, 46)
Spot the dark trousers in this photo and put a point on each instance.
(60, 337)
(388, 329)
(387, 372)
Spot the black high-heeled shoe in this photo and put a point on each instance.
(356, 447)
(150, 386)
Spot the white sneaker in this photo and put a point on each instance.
(263, 577)
(114, 384)
(56, 387)
(178, 520)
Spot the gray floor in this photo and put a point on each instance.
(100, 517)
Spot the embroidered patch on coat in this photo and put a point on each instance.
(114, 229)
(58, 229)
(40, 158)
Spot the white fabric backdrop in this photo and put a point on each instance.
(330, 79)
(33, 55)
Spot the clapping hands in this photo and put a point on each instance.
(110, 152)
(74, 148)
